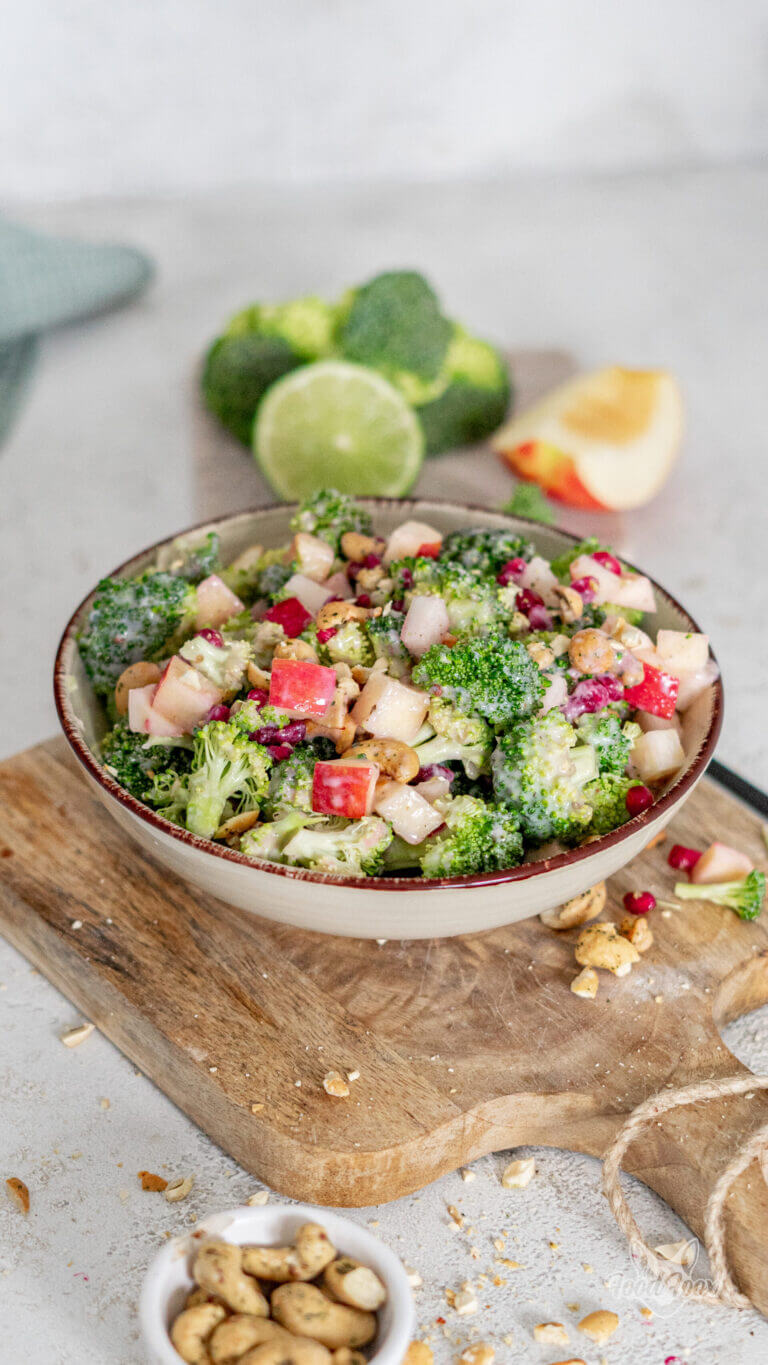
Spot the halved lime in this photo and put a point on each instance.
(337, 425)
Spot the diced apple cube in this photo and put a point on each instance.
(344, 787)
(633, 590)
(410, 815)
(389, 709)
(184, 695)
(693, 684)
(425, 624)
(215, 602)
(144, 719)
(338, 585)
(657, 754)
(301, 688)
(315, 556)
(556, 693)
(720, 863)
(682, 651)
(538, 576)
(432, 788)
(647, 722)
(408, 538)
(656, 693)
(312, 595)
(606, 582)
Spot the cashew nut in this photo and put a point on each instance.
(368, 579)
(568, 604)
(231, 1339)
(637, 929)
(218, 1268)
(306, 1311)
(312, 1252)
(577, 910)
(541, 654)
(295, 649)
(600, 945)
(394, 758)
(342, 734)
(191, 1331)
(346, 1356)
(336, 613)
(196, 1296)
(355, 546)
(237, 824)
(354, 1284)
(590, 652)
(257, 677)
(585, 983)
(135, 675)
(288, 1350)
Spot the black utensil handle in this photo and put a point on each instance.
(739, 786)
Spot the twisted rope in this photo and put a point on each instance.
(724, 1290)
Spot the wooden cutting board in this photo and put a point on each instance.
(464, 1046)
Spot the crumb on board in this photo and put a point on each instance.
(334, 1084)
(519, 1174)
(152, 1182)
(18, 1192)
(73, 1037)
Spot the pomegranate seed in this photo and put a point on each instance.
(435, 770)
(279, 751)
(511, 572)
(363, 600)
(638, 799)
(527, 598)
(212, 636)
(259, 695)
(639, 902)
(291, 614)
(219, 712)
(294, 732)
(586, 588)
(399, 605)
(323, 636)
(592, 694)
(266, 734)
(372, 561)
(540, 618)
(608, 561)
(684, 858)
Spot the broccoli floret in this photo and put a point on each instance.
(134, 760)
(329, 514)
(350, 645)
(529, 500)
(267, 840)
(478, 837)
(475, 397)
(307, 325)
(394, 324)
(224, 665)
(192, 556)
(535, 774)
(226, 766)
(474, 604)
(632, 615)
(562, 563)
(384, 634)
(347, 847)
(290, 782)
(272, 580)
(458, 739)
(607, 795)
(611, 741)
(490, 675)
(485, 551)
(746, 897)
(237, 373)
(258, 573)
(169, 795)
(132, 619)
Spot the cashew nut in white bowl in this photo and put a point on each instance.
(169, 1283)
(192, 1328)
(307, 1312)
(310, 1253)
(354, 1284)
(233, 1337)
(288, 1350)
(218, 1269)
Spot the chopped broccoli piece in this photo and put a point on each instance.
(475, 396)
(632, 615)
(169, 795)
(611, 741)
(529, 500)
(478, 838)
(607, 795)
(258, 573)
(384, 634)
(267, 840)
(457, 739)
(224, 665)
(394, 324)
(134, 760)
(191, 557)
(562, 563)
(746, 897)
(485, 551)
(534, 774)
(350, 645)
(349, 848)
(226, 766)
(307, 325)
(237, 373)
(474, 604)
(328, 514)
(490, 675)
(132, 619)
(290, 782)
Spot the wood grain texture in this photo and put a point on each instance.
(464, 1045)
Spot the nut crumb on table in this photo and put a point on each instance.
(18, 1192)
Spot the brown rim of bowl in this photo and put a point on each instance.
(82, 752)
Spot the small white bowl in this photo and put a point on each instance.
(169, 1277)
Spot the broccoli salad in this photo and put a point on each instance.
(416, 704)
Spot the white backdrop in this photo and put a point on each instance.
(155, 96)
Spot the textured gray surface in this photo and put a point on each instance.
(642, 269)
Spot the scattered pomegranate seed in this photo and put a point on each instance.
(406, 578)
(371, 561)
(586, 588)
(363, 600)
(259, 695)
(323, 636)
(279, 751)
(638, 799)
(212, 636)
(399, 605)
(681, 857)
(219, 712)
(608, 561)
(266, 734)
(294, 732)
(639, 902)
(291, 614)
(527, 598)
(511, 572)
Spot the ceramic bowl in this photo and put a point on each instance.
(169, 1277)
(387, 907)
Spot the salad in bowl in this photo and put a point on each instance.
(370, 700)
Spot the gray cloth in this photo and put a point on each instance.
(47, 281)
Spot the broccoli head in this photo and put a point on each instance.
(384, 634)
(227, 766)
(135, 760)
(474, 604)
(347, 848)
(132, 619)
(491, 676)
(307, 325)
(290, 781)
(349, 645)
(329, 514)
(534, 774)
(611, 741)
(746, 897)
(267, 840)
(192, 556)
(607, 795)
(394, 324)
(475, 397)
(169, 795)
(458, 739)
(224, 665)
(237, 373)
(484, 551)
(478, 837)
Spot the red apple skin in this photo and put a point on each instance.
(554, 471)
(657, 693)
(301, 688)
(344, 788)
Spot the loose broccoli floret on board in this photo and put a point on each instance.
(607, 795)
(491, 676)
(328, 514)
(529, 500)
(226, 766)
(611, 741)
(132, 619)
(478, 838)
(238, 371)
(475, 399)
(746, 897)
(306, 325)
(534, 774)
(348, 848)
(485, 551)
(394, 324)
(134, 760)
